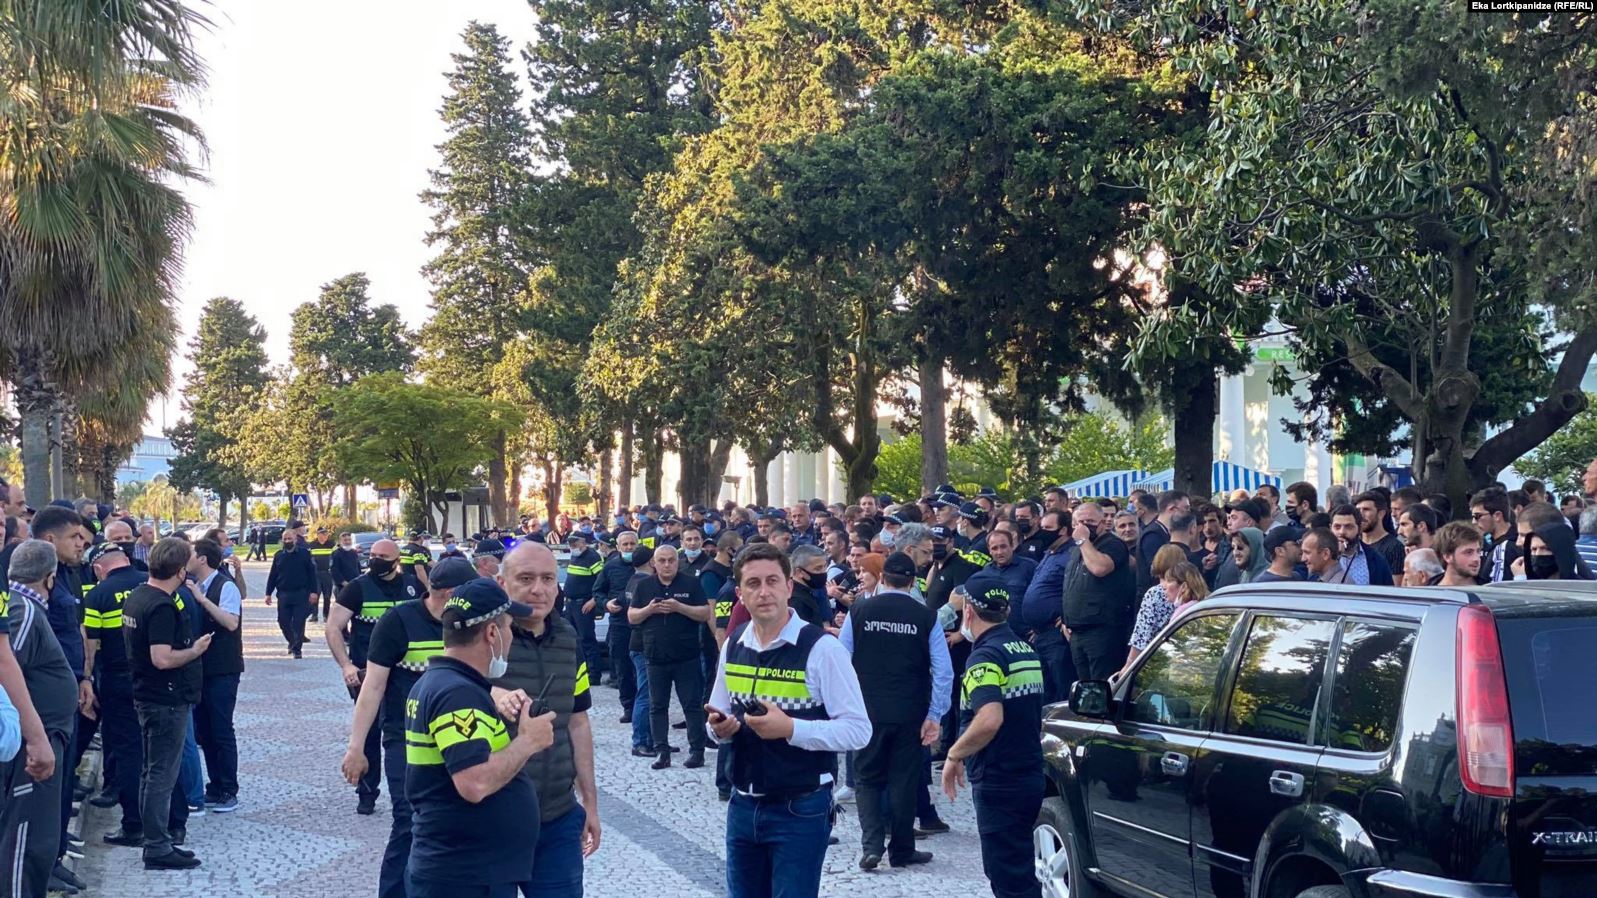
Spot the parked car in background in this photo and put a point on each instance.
(1315, 741)
(274, 532)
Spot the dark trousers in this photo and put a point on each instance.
(83, 731)
(1097, 652)
(370, 781)
(1004, 818)
(586, 632)
(292, 612)
(619, 639)
(121, 742)
(1058, 670)
(213, 730)
(30, 823)
(429, 888)
(776, 849)
(163, 727)
(396, 855)
(324, 583)
(688, 678)
(557, 861)
(890, 766)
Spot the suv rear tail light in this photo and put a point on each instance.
(1485, 731)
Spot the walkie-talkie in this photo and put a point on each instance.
(538, 706)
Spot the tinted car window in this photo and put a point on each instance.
(1175, 686)
(1551, 664)
(1280, 677)
(1371, 669)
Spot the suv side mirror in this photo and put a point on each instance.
(1090, 698)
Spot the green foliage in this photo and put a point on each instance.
(1096, 442)
(229, 361)
(576, 493)
(898, 467)
(284, 436)
(1562, 459)
(413, 514)
(341, 338)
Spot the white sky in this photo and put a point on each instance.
(322, 121)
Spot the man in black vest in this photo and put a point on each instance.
(546, 664)
(106, 654)
(905, 674)
(806, 706)
(322, 549)
(221, 666)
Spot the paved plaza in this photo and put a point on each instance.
(296, 834)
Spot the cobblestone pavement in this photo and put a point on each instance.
(296, 834)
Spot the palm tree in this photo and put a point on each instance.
(112, 406)
(90, 227)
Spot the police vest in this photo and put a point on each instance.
(374, 603)
(773, 768)
(424, 638)
(226, 654)
(412, 554)
(892, 655)
(323, 555)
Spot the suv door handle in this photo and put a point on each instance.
(1286, 783)
(1173, 764)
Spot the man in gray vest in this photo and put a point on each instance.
(546, 666)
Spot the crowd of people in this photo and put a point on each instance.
(823, 653)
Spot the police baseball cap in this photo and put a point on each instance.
(974, 513)
(100, 550)
(1253, 508)
(414, 534)
(947, 488)
(642, 555)
(988, 492)
(478, 600)
(451, 572)
(491, 546)
(899, 564)
(578, 535)
(697, 509)
(886, 499)
(775, 514)
(1279, 537)
(987, 590)
(941, 532)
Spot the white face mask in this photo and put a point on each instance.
(886, 536)
(498, 664)
(693, 554)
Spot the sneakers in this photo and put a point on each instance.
(725, 794)
(367, 805)
(173, 860)
(67, 876)
(225, 805)
(663, 762)
(126, 838)
(626, 716)
(60, 887)
(197, 810)
(919, 857)
(842, 795)
(74, 847)
(695, 759)
(870, 861)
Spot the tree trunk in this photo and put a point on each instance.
(58, 474)
(34, 395)
(624, 484)
(760, 460)
(516, 468)
(552, 481)
(349, 502)
(933, 424)
(693, 460)
(1198, 403)
(601, 492)
(719, 459)
(221, 509)
(653, 465)
(497, 477)
(243, 516)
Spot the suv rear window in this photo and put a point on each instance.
(1278, 683)
(1371, 668)
(1551, 664)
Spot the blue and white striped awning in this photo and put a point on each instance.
(1226, 476)
(1109, 484)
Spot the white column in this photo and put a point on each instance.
(834, 478)
(1317, 467)
(790, 480)
(1231, 434)
(776, 479)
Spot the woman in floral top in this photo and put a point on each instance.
(1180, 585)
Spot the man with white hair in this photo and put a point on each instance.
(30, 821)
(1422, 567)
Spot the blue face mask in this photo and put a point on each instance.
(693, 554)
(449, 547)
(627, 557)
(710, 528)
(227, 551)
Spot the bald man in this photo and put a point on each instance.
(361, 603)
(546, 651)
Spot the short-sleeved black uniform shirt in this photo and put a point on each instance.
(404, 640)
(152, 616)
(451, 725)
(102, 619)
(1005, 668)
(672, 637)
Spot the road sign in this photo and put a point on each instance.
(300, 500)
(388, 492)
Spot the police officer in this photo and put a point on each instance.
(322, 549)
(546, 662)
(475, 828)
(106, 654)
(405, 637)
(611, 589)
(361, 604)
(904, 672)
(416, 559)
(999, 751)
(294, 580)
(582, 602)
(972, 529)
(805, 697)
(346, 562)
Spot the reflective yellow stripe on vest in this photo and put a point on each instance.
(448, 730)
(371, 611)
(582, 678)
(767, 682)
(421, 750)
(417, 653)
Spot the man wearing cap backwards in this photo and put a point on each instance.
(416, 559)
(544, 652)
(999, 751)
(475, 828)
(361, 604)
(802, 686)
(322, 549)
(904, 672)
(406, 636)
(582, 601)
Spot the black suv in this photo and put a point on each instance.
(1317, 741)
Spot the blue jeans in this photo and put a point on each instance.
(776, 849)
(557, 861)
(396, 854)
(191, 777)
(640, 705)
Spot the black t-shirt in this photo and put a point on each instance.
(1094, 601)
(403, 641)
(102, 619)
(451, 725)
(1392, 552)
(150, 617)
(670, 637)
(1004, 668)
